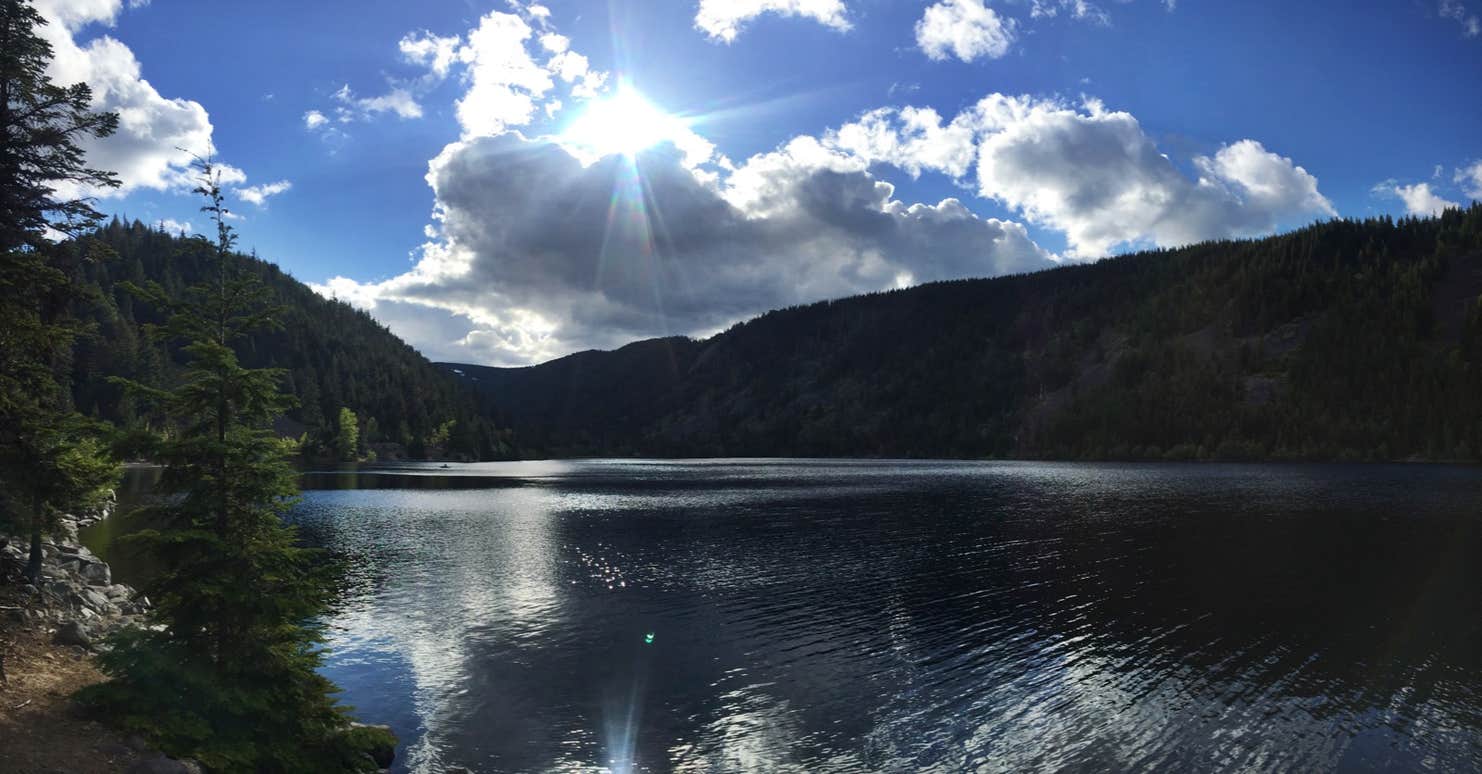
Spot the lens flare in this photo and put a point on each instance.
(623, 123)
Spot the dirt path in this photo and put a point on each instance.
(41, 735)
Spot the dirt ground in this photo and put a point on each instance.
(38, 732)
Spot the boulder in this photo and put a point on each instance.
(97, 601)
(73, 633)
(97, 573)
(66, 530)
(384, 754)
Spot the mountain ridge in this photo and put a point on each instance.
(334, 356)
(1295, 346)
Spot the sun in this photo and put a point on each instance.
(622, 123)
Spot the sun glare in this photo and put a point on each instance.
(623, 123)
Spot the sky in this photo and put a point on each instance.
(506, 181)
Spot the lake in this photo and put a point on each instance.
(818, 616)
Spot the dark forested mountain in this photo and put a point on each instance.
(1344, 340)
(336, 356)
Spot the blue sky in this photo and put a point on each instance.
(417, 159)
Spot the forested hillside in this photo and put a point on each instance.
(337, 357)
(1344, 340)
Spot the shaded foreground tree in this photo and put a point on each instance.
(228, 675)
(49, 456)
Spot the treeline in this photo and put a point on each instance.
(335, 357)
(1345, 340)
(224, 666)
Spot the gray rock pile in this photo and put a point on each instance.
(74, 594)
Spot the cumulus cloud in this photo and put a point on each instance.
(145, 152)
(540, 246)
(259, 194)
(1470, 179)
(1419, 199)
(172, 226)
(1090, 173)
(966, 29)
(911, 138)
(723, 20)
(505, 81)
(436, 53)
(541, 256)
(513, 67)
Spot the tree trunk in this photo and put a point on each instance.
(33, 567)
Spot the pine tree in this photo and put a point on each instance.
(229, 674)
(46, 461)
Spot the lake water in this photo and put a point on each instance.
(818, 616)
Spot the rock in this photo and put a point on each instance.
(164, 765)
(67, 530)
(118, 592)
(69, 549)
(97, 601)
(384, 754)
(456, 770)
(97, 574)
(73, 633)
(137, 743)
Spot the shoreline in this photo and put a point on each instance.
(49, 636)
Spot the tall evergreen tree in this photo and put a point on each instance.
(229, 674)
(45, 462)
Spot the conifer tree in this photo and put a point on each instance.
(229, 674)
(46, 460)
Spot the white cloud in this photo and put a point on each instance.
(507, 84)
(145, 152)
(1470, 179)
(1419, 199)
(505, 81)
(352, 108)
(172, 226)
(539, 248)
(259, 194)
(1096, 176)
(966, 29)
(1457, 11)
(911, 138)
(514, 67)
(723, 20)
(1089, 173)
(437, 54)
(540, 257)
